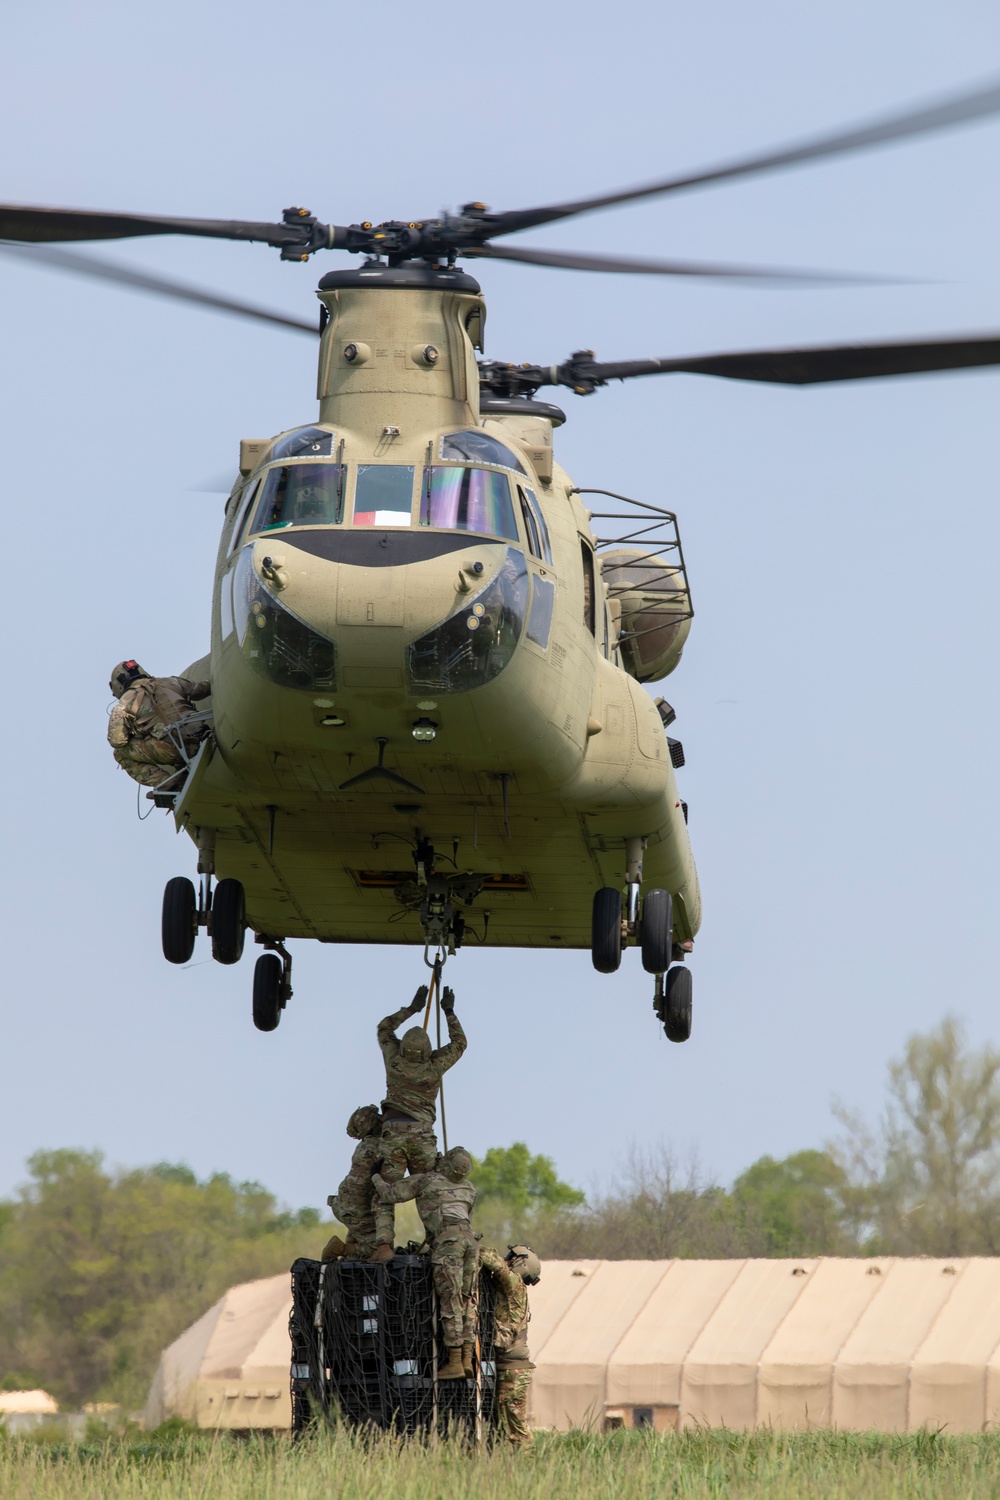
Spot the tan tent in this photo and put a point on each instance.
(886, 1344)
(230, 1369)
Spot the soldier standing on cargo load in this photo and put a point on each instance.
(147, 725)
(354, 1202)
(445, 1201)
(511, 1277)
(413, 1072)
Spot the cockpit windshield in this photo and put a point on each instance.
(300, 495)
(477, 447)
(304, 442)
(459, 499)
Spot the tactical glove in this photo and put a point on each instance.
(448, 1001)
(419, 1000)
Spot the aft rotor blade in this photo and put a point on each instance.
(105, 270)
(960, 109)
(571, 261)
(816, 366)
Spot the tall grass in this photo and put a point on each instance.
(622, 1465)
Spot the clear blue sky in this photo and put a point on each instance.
(837, 699)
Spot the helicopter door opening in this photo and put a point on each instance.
(589, 616)
(383, 495)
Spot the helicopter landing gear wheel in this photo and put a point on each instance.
(267, 988)
(229, 921)
(606, 930)
(656, 931)
(179, 924)
(674, 1009)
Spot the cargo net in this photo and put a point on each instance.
(366, 1346)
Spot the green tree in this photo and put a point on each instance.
(797, 1204)
(100, 1270)
(926, 1179)
(519, 1195)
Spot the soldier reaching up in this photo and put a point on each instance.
(511, 1276)
(445, 1201)
(413, 1073)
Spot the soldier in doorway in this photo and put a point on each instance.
(413, 1073)
(153, 718)
(354, 1202)
(511, 1277)
(445, 1200)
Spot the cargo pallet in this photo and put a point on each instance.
(366, 1347)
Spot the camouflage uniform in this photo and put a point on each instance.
(514, 1367)
(354, 1202)
(413, 1073)
(140, 723)
(445, 1209)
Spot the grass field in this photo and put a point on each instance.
(623, 1465)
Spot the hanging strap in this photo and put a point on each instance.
(434, 998)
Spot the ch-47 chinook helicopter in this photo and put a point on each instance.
(427, 644)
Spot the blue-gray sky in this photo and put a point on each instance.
(837, 699)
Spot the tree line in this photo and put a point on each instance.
(100, 1269)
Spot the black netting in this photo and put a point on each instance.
(366, 1347)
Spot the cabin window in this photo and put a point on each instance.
(383, 495)
(589, 616)
(300, 495)
(477, 447)
(474, 644)
(534, 524)
(455, 499)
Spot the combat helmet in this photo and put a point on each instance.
(123, 676)
(415, 1045)
(365, 1120)
(456, 1164)
(523, 1260)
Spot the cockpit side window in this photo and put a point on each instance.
(460, 499)
(300, 495)
(589, 591)
(245, 506)
(534, 524)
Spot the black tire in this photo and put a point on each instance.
(677, 1004)
(179, 927)
(606, 930)
(657, 931)
(267, 992)
(229, 921)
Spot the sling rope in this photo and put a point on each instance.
(434, 998)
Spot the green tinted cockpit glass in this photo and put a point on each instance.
(478, 500)
(477, 447)
(300, 495)
(383, 495)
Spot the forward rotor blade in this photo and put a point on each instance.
(817, 366)
(571, 261)
(105, 270)
(960, 109)
(46, 225)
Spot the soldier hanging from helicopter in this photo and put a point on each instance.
(154, 729)
(413, 1073)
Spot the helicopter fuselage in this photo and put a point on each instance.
(411, 640)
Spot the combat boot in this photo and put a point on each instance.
(334, 1248)
(467, 1364)
(454, 1369)
(381, 1254)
